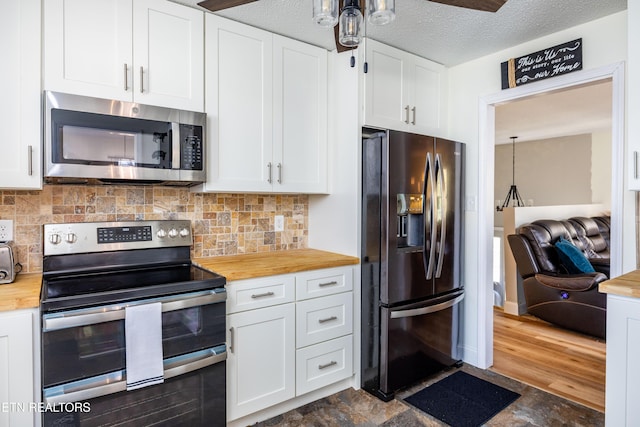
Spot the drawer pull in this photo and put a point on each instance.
(266, 294)
(322, 285)
(326, 365)
(328, 319)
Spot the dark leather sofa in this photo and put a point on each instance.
(552, 293)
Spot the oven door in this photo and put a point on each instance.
(83, 353)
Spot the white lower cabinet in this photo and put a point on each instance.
(260, 361)
(18, 357)
(281, 345)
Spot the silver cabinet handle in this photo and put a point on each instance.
(269, 180)
(328, 319)
(141, 79)
(231, 344)
(279, 173)
(126, 78)
(322, 285)
(413, 110)
(406, 115)
(265, 294)
(30, 159)
(326, 365)
(635, 164)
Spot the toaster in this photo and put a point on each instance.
(8, 265)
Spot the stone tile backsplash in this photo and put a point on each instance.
(223, 224)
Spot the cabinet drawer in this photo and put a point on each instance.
(323, 364)
(324, 282)
(258, 293)
(322, 319)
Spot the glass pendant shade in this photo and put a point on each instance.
(381, 12)
(325, 12)
(350, 26)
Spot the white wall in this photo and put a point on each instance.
(600, 169)
(604, 43)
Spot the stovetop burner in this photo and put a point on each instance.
(89, 264)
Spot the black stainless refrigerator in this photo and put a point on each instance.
(412, 210)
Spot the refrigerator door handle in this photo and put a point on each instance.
(426, 310)
(442, 217)
(429, 189)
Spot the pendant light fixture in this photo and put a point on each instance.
(325, 13)
(513, 190)
(381, 12)
(350, 31)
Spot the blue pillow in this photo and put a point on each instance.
(572, 257)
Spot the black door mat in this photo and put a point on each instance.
(462, 400)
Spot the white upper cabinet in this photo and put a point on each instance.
(20, 115)
(147, 51)
(266, 104)
(403, 91)
(299, 116)
(239, 99)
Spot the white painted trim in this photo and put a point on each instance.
(486, 206)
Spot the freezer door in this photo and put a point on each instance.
(418, 341)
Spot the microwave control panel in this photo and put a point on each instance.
(191, 147)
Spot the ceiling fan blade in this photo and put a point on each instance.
(215, 5)
(484, 5)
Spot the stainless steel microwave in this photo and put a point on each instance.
(89, 140)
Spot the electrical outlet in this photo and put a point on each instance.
(6, 230)
(278, 223)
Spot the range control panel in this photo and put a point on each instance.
(85, 237)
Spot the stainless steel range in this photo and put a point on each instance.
(133, 333)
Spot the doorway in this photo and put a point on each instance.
(486, 196)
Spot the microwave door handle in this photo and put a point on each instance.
(175, 146)
(92, 316)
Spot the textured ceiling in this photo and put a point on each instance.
(444, 34)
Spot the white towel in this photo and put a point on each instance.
(143, 340)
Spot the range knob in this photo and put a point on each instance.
(173, 233)
(184, 232)
(161, 234)
(55, 238)
(71, 238)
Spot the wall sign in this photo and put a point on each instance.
(550, 62)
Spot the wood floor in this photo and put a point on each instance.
(558, 361)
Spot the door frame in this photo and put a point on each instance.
(486, 166)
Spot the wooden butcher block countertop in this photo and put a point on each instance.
(24, 292)
(248, 266)
(627, 285)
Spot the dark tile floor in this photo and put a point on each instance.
(358, 408)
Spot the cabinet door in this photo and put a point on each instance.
(20, 116)
(239, 98)
(386, 105)
(87, 47)
(425, 96)
(261, 359)
(17, 365)
(299, 116)
(168, 49)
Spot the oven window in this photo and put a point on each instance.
(85, 351)
(98, 139)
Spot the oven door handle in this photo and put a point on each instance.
(94, 315)
(115, 382)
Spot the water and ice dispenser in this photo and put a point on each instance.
(410, 217)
